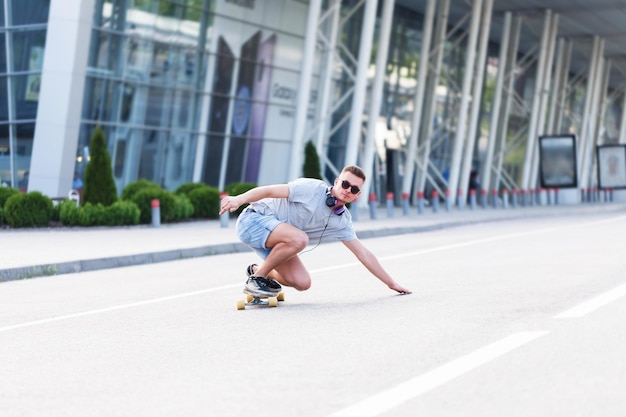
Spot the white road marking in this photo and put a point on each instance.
(393, 397)
(595, 303)
(114, 308)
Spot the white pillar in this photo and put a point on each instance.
(503, 128)
(61, 96)
(567, 58)
(416, 122)
(497, 103)
(536, 105)
(304, 90)
(545, 93)
(326, 81)
(622, 127)
(377, 94)
(468, 75)
(587, 147)
(556, 86)
(360, 84)
(432, 81)
(476, 101)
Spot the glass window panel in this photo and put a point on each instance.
(26, 93)
(3, 54)
(28, 50)
(4, 111)
(1, 14)
(106, 51)
(30, 12)
(23, 152)
(100, 99)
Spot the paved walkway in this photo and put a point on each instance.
(28, 253)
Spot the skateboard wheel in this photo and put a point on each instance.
(272, 301)
(249, 298)
(241, 305)
(281, 296)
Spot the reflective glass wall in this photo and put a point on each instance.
(22, 40)
(193, 89)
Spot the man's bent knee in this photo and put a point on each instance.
(302, 286)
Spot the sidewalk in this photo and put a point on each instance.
(29, 253)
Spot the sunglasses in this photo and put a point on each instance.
(353, 188)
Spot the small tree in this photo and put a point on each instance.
(311, 168)
(99, 184)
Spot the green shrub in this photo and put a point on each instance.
(99, 183)
(28, 210)
(56, 212)
(134, 187)
(6, 193)
(1, 216)
(92, 215)
(237, 188)
(184, 208)
(206, 202)
(69, 213)
(189, 187)
(124, 213)
(143, 200)
(311, 167)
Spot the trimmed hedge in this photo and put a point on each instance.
(6, 193)
(120, 213)
(184, 208)
(134, 187)
(189, 187)
(28, 210)
(144, 198)
(206, 202)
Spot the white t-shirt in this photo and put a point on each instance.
(306, 209)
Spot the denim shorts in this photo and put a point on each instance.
(253, 229)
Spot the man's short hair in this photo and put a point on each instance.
(355, 170)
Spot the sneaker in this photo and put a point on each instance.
(258, 285)
(272, 282)
(250, 270)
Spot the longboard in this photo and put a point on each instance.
(260, 301)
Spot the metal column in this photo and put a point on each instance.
(532, 130)
(590, 117)
(416, 122)
(377, 93)
(545, 94)
(333, 13)
(622, 127)
(560, 86)
(503, 123)
(430, 96)
(497, 103)
(304, 89)
(360, 87)
(476, 101)
(468, 75)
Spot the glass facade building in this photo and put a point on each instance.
(23, 27)
(207, 90)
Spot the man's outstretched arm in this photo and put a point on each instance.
(370, 261)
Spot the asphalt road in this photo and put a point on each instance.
(515, 318)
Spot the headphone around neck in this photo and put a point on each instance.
(332, 202)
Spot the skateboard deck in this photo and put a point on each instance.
(260, 301)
